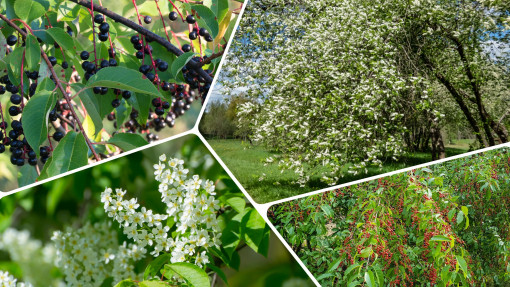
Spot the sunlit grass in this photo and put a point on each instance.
(247, 164)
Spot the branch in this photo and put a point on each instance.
(152, 36)
(66, 96)
(212, 57)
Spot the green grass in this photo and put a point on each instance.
(247, 164)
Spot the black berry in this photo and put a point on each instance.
(99, 18)
(173, 16)
(12, 40)
(190, 19)
(147, 19)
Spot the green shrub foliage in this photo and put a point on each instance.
(439, 226)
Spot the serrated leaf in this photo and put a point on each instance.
(369, 278)
(28, 10)
(367, 252)
(142, 104)
(180, 62)
(33, 53)
(206, 19)
(127, 141)
(35, 118)
(439, 238)
(152, 284)
(461, 262)
(195, 276)
(70, 153)
(124, 79)
(231, 235)
(126, 283)
(62, 38)
(327, 210)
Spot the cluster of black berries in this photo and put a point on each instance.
(21, 151)
(104, 28)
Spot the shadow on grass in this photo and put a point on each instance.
(266, 183)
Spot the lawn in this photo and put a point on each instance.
(247, 164)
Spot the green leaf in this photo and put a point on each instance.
(195, 276)
(335, 264)
(13, 61)
(122, 113)
(35, 118)
(154, 267)
(237, 203)
(127, 141)
(68, 11)
(28, 10)
(207, 19)
(70, 153)
(219, 8)
(3, 46)
(218, 271)
(369, 278)
(180, 62)
(27, 174)
(460, 217)
(466, 212)
(152, 284)
(255, 231)
(97, 106)
(142, 104)
(367, 252)
(328, 210)
(126, 283)
(231, 235)
(124, 79)
(462, 263)
(33, 53)
(62, 38)
(439, 238)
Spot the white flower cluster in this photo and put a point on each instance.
(89, 255)
(191, 203)
(35, 259)
(7, 280)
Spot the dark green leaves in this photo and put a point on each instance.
(33, 53)
(124, 79)
(180, 62)
(70, 153)
(193, 275)
(28, 10)
(62, 38)
(35, 118)
(255, 232)
(219, 7)
(127, 141)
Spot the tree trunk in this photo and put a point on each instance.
(438, 151)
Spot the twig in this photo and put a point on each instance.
(66, 96)
(212, 57)
(155, 37)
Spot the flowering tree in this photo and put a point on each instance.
(356, 82)
(438, 226)
(65, 66)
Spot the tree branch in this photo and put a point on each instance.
(458, 98)
(212, 57)
(66, 96)
(150, 35)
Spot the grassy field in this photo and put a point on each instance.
(246, 163)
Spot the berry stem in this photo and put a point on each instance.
(162, 20)
(91, 10)
(59, 85)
